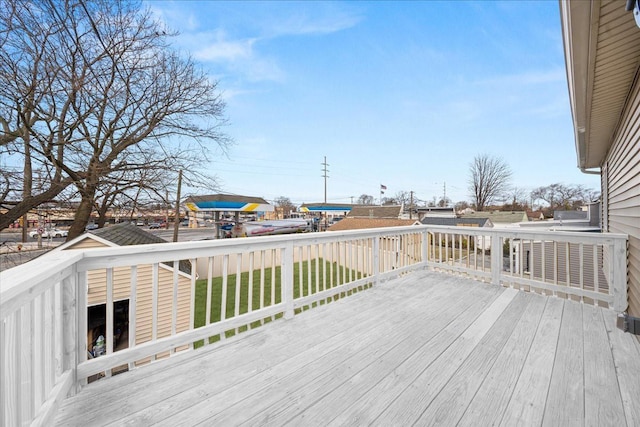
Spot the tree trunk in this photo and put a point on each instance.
(83, 213)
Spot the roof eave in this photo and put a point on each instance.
(577, 34)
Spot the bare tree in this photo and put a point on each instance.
(404, 198)
(561, 196)
(517, 199)
(113, 87)
(28, 74)
(284, 205)
(489, 179)
(365, 199)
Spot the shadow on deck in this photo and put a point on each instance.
(427, 348)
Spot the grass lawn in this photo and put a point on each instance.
(216, 292)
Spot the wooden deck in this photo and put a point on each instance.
(426, 349)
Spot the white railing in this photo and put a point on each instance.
(152, 301)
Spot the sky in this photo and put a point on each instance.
(403, 94)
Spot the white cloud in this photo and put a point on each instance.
(303, 24)
(224, 50)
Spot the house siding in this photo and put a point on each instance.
(87, 244)
(97, 280)
(621, 192)
(97, 294)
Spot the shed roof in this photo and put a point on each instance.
(458, 222)
(375, 212)
(125, 235)
(504, 217)
(361, 223)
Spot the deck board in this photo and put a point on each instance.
(565, 403)
(450, 403)
(600, 374)
(526, 405)
(427, 342)
(492, 397)
(376, 345)
(428, 348)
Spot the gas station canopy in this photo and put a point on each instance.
(325, 207)
(227, 203)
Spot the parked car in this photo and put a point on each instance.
(53, 232)
(140, 222)
(91, 226)
(153, 225)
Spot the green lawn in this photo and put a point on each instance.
(216, 291)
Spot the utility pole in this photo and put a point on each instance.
(444, 193)
(324, 174)
(176, 220)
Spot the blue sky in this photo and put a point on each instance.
(403, 94)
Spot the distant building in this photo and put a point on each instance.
(362, 223)
(435, 212)
(535, 215)
(501, 219)
(361, 217)
(458, 222)
(392, 211)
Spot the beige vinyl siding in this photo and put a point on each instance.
(144, 314)
(97, 294)
(621, 192)
(87, 243)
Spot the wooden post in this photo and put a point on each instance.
(287, 280)
(496, 258)
(376, 260)
(69, 362)
(82, 291)
(619, 265)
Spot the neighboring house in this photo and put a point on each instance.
(129, 234)
(570, 215)
(349, 223)
(391, 211)
(458, 222)
(372, 217)
(602, 53)
(535, 215)
(500, 219)
(435, 211)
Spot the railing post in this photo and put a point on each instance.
(287, 280)
(619, 265)
(496, 258)
(425, 247)
(376, 260)
(69, 302)
(82, 325)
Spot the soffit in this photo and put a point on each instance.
(602, 48)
